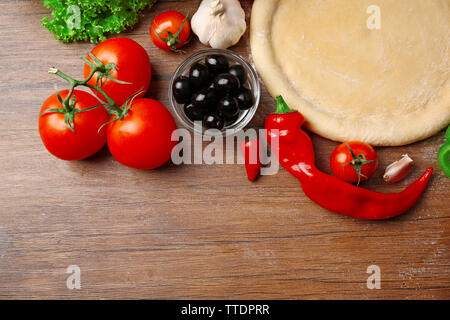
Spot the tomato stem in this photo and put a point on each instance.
(172, 40)
(102, 71)
(97, 67)
(358, 161)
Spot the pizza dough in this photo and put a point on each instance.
(387, 86)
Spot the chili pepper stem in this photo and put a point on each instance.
(282, 106)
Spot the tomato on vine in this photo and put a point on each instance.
(170, 30)
(140, 136)
(125, 69)
(354, 161)
(72, 133)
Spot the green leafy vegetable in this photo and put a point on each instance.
(90, 20)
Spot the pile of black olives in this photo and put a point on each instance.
(214, 92)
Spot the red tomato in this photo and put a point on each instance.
(345, 166)
(165, 28)
(60, 140)
(142, 139)
(132, 65)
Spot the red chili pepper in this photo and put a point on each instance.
(296, 155)
(250, 150)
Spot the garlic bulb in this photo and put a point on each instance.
(219, 23)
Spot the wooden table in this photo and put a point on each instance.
(191, 231)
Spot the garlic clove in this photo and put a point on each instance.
(398, 170)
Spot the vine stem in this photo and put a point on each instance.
(111, 102)
(75, 83)
(102, 70)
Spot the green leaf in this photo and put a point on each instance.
(96, 19)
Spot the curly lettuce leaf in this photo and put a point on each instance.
(91, 20)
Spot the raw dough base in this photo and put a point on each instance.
(385, 87)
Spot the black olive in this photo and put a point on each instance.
(238, 71)
(226, 83)
(229, 122)
(245, 99)
(216, 64)
(201, 99)
(199, 75)
(213, 121)
(182, 90)
(212, 98)
(194, 113)
(228, 107)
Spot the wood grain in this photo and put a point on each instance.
(192, 231)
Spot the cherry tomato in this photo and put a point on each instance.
(142, 139)
(60, 140)
(346, 165)
(132, 65)
(170, 30)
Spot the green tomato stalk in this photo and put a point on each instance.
(102, 71)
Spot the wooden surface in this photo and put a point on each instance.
(192, 231)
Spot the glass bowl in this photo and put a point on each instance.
(244, 115)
